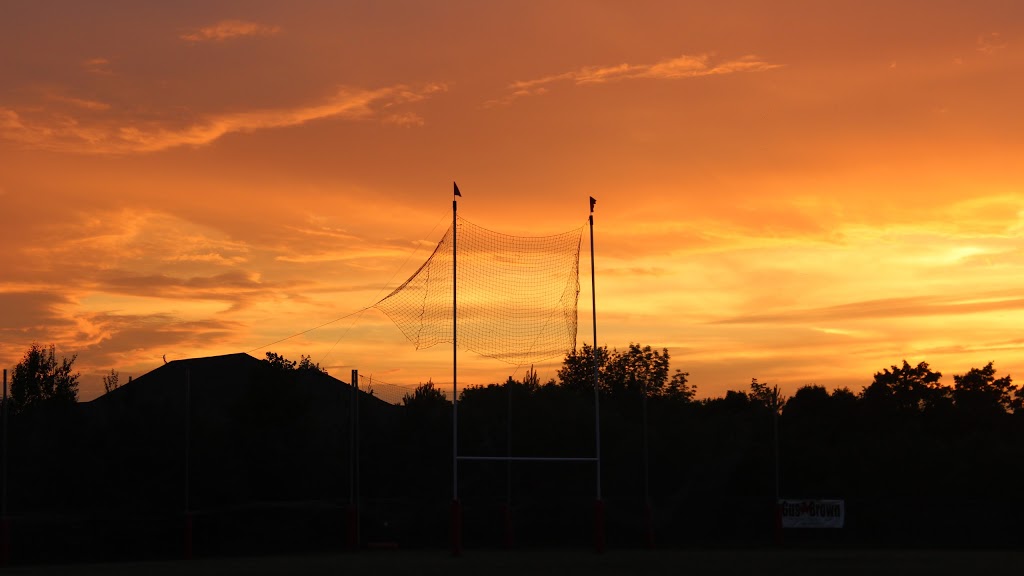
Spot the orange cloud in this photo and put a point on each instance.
(933, 305)
(80, 102)
(405, 119)
(990, 43)
(110, 134)
(113, 237)
(229, 29)
(323, 244)
(99, 66)
(685, 66)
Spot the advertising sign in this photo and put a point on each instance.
(812, 513)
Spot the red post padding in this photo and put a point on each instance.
(509, 531)
(649, 525)
(188, 536)
(5, 541)
(599, 542)
(778, 524)
(456, 528)
(352, 527)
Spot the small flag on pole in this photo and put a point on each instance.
(592, 202)
(457, 193)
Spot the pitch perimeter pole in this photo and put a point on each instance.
(353, 464)
(598, 503)
(456, 508)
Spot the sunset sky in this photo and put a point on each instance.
(801, 192)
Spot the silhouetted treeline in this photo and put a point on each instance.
(270, 448)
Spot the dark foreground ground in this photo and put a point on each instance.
(578, 563)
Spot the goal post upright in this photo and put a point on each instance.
(599, 540)
(456, 512)
(533, 269)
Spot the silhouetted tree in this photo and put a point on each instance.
(908, 388)
(110, 381)
(40, 380)
(817, 430)
(577, 371)
(531, 381)
(306, 363)
(637, 369)
(680, 388)
(980, 391)
(426, 440)
(734, 400)
(424, 394)
(281, 363)
(763, 394)
(808, 401)
(844, 395)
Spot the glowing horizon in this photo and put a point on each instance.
(796, 192)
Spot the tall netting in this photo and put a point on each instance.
(516, 295)
(392, 393)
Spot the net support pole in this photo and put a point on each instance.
(188, 447)
(775, 444)
(456, 512)
(353, 510)
(648, 506)
(508, 467)
(599, 539)
(3, 498)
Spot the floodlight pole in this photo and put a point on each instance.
(3, 497)
(648, 508)
(598, 503)
(508, 466)
(5, 537)
(456, 509)
(455, 356)
(352, 442)
(188, 447)
(775, 442)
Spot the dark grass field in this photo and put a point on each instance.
(576, 562)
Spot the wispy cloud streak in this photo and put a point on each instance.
(890, 308)
(685, 66)
(111, 133)
(990, 43)
(99, 66)
(228, 30)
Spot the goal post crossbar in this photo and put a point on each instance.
(528, 458)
